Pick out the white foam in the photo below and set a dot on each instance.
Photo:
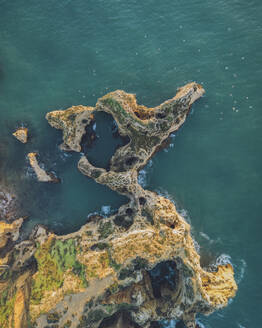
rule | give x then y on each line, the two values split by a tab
240	326
142	178
205	236
223	259
106	209
242	270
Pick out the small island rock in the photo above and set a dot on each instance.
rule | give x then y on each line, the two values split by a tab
21	134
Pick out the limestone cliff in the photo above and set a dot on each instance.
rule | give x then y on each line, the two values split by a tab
131	269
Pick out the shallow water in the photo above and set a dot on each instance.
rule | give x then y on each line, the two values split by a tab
54	54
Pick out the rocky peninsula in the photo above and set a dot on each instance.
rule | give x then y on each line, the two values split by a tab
132	269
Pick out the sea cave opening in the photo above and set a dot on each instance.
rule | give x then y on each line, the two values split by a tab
164	276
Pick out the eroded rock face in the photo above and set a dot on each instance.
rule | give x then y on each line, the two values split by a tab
134	268
21	134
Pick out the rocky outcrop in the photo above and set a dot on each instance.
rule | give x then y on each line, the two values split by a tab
141	261
146	128
138	266
41	174
21	134
9	231
73	122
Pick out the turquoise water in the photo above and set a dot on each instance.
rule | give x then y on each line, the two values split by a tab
54	54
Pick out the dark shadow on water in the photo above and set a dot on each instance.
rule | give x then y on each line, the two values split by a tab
207	258
101	140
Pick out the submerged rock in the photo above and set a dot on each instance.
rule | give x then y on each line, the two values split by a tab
138	266
41	174
21	134
8	204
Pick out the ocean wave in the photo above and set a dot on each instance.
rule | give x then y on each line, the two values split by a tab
171	142
205	236
223	259
142	178
174	323
164	193
143	174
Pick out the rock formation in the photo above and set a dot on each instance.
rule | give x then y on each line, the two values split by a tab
132	269
21	134
41	174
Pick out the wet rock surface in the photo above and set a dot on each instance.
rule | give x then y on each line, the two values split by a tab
132	269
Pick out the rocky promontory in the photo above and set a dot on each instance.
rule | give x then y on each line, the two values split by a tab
132	269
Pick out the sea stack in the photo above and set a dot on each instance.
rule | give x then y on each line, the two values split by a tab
41	174
21	134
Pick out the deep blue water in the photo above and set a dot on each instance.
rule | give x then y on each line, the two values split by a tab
54	54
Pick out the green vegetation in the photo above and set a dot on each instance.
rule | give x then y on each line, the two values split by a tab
127	272
112	263
105	229
140	263
92	317
52	317
7	300
148	216
4	274
100	246
122	114
54	258
109	308
140	140
67	324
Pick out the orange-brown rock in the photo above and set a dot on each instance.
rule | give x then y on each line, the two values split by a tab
21	303
9	231
21	134
73	123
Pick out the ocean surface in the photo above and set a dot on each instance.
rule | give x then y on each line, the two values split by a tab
54	54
